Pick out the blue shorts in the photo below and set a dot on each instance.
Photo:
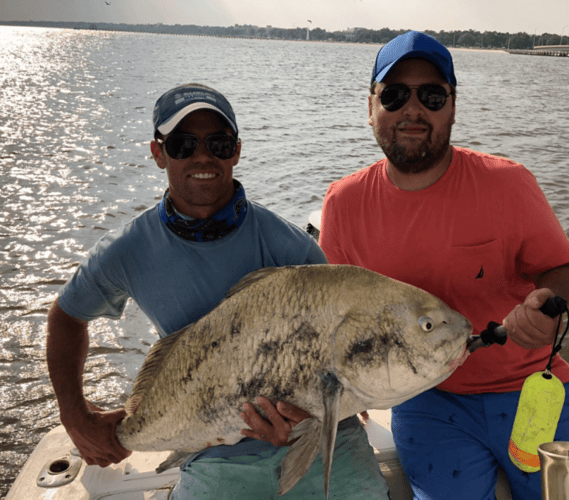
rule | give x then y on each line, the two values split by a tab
254	476
450	445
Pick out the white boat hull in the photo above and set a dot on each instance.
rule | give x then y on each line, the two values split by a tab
132	479
135	478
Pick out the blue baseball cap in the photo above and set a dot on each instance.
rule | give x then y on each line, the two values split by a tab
413	44
172	107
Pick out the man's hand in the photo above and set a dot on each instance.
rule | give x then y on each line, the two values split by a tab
282	419
527	326
95	438
90	428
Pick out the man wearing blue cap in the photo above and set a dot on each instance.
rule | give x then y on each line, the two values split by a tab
177	260
474	230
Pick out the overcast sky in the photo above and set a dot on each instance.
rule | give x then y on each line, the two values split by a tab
508	16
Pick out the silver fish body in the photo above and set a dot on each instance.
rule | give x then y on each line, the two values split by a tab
333	340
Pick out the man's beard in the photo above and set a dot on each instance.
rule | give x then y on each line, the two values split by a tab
417	158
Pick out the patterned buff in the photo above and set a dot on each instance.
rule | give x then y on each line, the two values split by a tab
220	224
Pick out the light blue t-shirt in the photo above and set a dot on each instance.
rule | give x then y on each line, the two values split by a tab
176	281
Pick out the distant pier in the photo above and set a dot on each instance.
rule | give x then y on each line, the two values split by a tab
544	50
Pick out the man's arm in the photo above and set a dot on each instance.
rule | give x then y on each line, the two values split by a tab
527	326
92	430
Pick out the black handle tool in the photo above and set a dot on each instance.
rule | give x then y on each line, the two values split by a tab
497	334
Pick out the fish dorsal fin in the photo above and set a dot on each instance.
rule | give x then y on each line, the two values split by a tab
332	394
313	437
251	278
149	369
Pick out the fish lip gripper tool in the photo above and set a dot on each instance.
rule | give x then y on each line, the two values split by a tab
497	334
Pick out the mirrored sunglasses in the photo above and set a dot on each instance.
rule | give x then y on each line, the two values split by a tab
181	145
432	96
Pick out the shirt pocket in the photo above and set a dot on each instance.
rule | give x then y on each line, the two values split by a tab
478	278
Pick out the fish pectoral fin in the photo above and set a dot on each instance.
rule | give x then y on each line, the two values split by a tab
332	394
300	455
176	459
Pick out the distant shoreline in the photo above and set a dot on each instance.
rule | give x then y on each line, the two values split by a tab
459	39
478	49
132	32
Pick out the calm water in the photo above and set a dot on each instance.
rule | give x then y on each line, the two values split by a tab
75	110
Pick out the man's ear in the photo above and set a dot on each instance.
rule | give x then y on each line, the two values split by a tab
237	154
157	154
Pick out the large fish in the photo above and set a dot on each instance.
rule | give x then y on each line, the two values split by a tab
333	340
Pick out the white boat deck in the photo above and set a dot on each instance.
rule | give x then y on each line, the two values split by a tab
53	462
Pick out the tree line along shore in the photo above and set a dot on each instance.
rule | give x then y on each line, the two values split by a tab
470	38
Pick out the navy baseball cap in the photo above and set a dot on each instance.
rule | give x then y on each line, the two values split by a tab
179	102
413	44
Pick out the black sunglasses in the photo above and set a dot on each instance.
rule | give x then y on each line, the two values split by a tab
431	95
181	145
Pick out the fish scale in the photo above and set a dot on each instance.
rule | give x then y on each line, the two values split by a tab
333	340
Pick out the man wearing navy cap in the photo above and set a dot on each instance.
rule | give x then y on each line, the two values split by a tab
474	230
177	260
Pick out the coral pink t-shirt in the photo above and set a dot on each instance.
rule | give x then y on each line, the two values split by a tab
472	239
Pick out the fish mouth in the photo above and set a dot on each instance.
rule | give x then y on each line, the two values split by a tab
458	360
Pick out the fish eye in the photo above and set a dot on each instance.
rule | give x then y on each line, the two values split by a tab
426	323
